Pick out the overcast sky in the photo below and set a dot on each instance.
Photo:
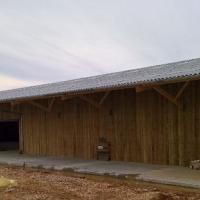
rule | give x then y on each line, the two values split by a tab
53	40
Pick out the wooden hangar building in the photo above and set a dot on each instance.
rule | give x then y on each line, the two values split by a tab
149	115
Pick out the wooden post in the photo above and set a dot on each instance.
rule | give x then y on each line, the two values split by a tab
21	137
181	135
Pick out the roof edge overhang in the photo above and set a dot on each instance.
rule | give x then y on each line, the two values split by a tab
170	80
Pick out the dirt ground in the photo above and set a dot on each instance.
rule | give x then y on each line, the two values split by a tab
35	184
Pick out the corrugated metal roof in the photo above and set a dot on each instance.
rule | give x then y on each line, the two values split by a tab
170	71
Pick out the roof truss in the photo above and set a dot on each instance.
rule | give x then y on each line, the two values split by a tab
140	88
38	105
87	99
164	93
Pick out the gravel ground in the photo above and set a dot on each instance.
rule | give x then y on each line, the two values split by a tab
35	184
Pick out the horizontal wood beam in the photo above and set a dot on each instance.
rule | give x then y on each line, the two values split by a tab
12	112
165	94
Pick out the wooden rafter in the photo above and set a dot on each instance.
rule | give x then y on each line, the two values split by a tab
182	90
91	101
104	97
165	94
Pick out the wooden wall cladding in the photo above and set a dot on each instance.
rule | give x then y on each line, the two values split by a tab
142	127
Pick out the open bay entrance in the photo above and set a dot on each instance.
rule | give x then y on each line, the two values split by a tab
9	135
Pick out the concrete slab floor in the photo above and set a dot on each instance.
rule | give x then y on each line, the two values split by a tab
172	175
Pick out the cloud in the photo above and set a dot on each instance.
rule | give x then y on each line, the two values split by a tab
10	83
46	41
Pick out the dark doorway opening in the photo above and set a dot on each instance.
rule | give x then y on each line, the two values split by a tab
9	135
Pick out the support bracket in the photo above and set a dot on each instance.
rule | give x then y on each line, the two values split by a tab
165	94
40	106
90	101
104	97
